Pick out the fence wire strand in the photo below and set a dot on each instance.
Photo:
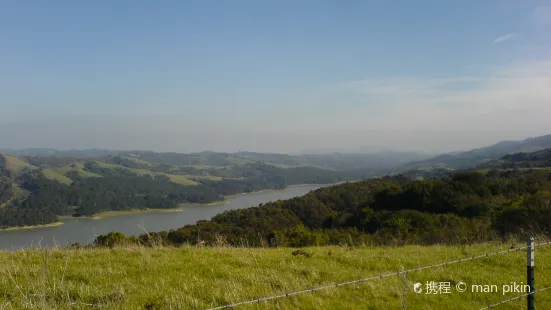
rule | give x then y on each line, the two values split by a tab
515	298
380	276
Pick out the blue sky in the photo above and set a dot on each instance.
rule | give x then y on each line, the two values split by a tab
273	75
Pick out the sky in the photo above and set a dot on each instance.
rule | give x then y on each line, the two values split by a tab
274	76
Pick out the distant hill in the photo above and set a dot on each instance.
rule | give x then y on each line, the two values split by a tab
333	161
35	190
475	157
45	152
339	161
538	159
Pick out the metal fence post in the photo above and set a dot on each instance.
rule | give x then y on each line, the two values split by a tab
405	292
530	272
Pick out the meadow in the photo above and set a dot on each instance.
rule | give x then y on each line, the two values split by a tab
204	277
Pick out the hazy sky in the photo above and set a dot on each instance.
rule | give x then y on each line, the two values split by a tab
278	76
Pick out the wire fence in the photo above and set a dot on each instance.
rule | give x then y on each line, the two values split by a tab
515	298
386	275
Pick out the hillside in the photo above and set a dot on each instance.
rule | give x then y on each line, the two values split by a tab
472	158
36	190
462	208
177	278
48	152
538	159
334	161
339	161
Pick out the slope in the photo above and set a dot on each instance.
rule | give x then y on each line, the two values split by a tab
472	158
538	159
61	186
15	165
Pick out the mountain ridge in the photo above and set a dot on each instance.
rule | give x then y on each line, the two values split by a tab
474	157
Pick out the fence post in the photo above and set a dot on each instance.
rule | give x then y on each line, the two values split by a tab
404	292
530	272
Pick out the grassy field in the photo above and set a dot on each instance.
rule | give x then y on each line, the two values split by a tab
108	165
14	165
175	178
78	168
179	179
137	160
199	278
53	175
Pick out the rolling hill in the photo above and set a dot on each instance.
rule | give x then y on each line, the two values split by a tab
334	161
37	187
538	159
35	190
472	158
338	161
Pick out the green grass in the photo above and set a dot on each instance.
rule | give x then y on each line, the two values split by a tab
175	178
284	166
140	171
14	165
77	167
179	179
198	167
205	177
137	160
281	165
236	160
108	165
198	278
59	174
53	175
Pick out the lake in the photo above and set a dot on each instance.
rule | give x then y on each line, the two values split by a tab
84	231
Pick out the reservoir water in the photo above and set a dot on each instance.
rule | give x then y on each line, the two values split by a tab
84	231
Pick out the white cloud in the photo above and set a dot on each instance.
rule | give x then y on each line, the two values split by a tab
504	38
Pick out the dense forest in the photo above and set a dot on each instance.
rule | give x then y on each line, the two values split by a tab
464	207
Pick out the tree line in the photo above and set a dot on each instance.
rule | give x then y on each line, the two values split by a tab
464	207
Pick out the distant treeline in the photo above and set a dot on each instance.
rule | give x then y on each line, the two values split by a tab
465	207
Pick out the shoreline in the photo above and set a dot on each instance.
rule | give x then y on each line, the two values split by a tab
113	213
214	203
32	226
106	214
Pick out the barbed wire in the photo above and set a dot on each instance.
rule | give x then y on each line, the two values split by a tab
515	298
381	276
